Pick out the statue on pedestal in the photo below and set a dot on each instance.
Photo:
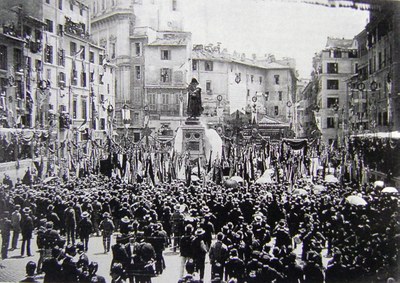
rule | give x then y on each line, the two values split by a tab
194	108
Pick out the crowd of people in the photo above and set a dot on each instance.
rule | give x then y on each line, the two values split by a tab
249	232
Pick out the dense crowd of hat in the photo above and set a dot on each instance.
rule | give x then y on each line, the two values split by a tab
250	233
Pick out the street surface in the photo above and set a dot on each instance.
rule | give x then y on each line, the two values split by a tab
12	269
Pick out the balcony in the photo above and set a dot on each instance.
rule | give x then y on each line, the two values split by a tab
75	29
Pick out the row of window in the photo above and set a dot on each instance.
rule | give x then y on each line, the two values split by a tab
60	5
340	54
49	54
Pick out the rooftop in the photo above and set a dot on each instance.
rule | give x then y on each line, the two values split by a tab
340	43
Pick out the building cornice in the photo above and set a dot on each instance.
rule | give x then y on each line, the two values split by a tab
111	16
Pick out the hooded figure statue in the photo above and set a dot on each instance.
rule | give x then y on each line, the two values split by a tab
194	108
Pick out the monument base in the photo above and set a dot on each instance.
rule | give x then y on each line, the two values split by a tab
193	139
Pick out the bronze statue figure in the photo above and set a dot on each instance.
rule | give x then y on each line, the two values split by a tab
194	108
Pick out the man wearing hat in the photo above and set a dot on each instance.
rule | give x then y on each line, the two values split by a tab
5	234
53	217
70	222
199	251
85	228
26	231
178	221
16	226
107	228
218	255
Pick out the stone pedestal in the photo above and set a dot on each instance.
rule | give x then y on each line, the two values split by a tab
193	134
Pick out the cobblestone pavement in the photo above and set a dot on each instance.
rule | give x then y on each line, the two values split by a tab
12	269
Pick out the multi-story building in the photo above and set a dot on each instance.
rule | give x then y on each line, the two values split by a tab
333	66
145	41
374	90
232	82
54	79
301	103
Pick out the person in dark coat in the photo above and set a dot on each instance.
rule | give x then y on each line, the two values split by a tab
199	251
16	226
5	235
70	223
313	272
159	240
30	272
119	253
93	267
293	271
235	267
70	271
218	255
107	228
144	259
85	228
26	231
52	267
117	273
336	271
185	247
53	217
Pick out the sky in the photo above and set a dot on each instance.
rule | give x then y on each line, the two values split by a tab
285	28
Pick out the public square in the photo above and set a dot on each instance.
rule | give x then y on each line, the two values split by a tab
222	141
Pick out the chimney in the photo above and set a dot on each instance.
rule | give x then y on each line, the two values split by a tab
254	56
243	57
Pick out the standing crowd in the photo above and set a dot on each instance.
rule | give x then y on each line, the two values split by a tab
249	232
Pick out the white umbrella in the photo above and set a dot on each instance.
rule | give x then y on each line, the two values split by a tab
390	190
194	178
319	188
331	179
356	200
237	179
264	180
49	179
300	192
379	184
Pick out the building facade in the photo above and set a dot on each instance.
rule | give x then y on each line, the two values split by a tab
333	66
54	80
374	89
144	40
232	82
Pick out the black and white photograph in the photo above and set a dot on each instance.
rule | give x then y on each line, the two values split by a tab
200	141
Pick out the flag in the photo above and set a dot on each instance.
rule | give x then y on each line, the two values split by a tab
188	173
209	163
150	170
198	167
78	54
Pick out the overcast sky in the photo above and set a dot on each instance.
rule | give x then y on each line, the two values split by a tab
285	28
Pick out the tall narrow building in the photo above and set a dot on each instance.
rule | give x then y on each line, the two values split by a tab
333	66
